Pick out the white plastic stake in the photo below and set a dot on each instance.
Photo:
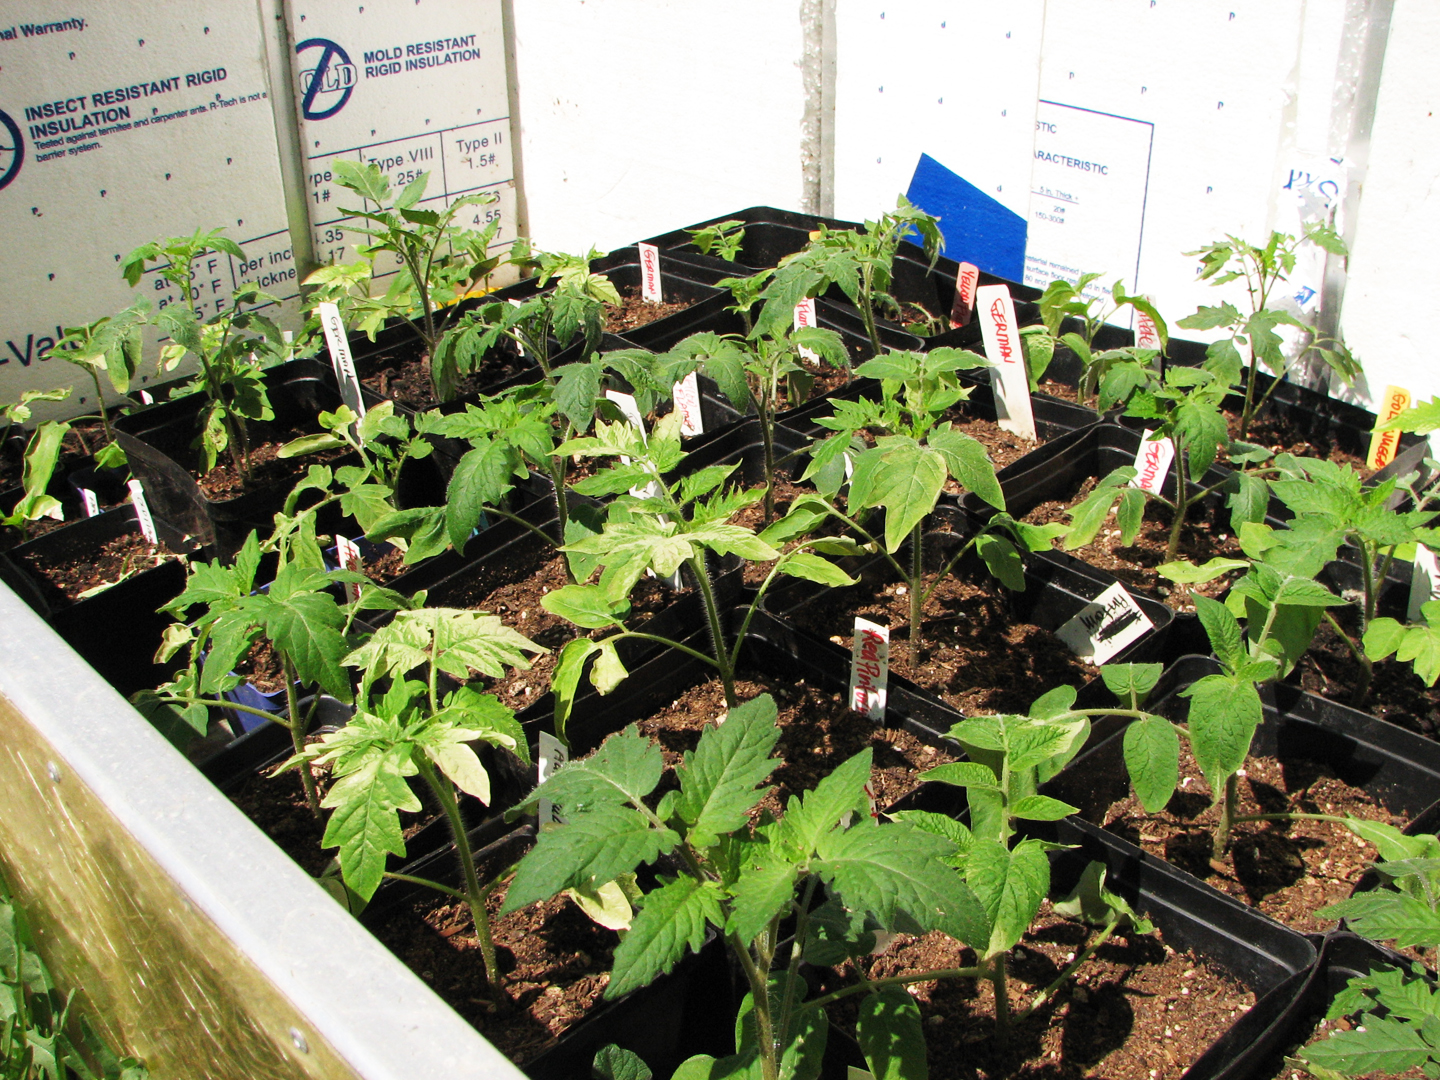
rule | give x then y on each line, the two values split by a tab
1105	626
687	400
967	280
146	398
1152	463
1424	583
1147	334
552	755
650	288
347	553
340	358
1001	332
805	317
869	668
142	512
91	504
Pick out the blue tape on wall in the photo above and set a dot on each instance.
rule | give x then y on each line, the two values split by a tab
977	229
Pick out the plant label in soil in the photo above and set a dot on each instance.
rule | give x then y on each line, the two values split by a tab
551	755
88	500
1152	463
344	363
687	400
1424	583
347	554
650	290
967	280
519	349
805	316
142	512
1105	626
146	398
869	669
1383	444
1147	334
1001	332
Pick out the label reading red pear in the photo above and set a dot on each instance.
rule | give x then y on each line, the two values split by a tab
551	756
1152	463
339	345
1001	332
1105	626
348	555
805	317
687	400
142	512
869	669
967	280
650	288
1424	583
91	504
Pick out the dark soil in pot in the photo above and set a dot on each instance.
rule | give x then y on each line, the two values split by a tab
402	374
1397	694
1137	1010
65	580
637	311
1286	869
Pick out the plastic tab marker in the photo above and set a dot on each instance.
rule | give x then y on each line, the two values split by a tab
1002	345
1424	583
91	504
869	669
344	364
650	289
348	555
146	398
1147	334
967	280
1152	463
1105	626
551	756
805	317
142	512
687	400
1383	444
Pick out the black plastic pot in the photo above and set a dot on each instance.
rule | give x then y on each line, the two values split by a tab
770	235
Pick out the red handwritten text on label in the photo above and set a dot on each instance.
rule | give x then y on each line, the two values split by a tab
650	273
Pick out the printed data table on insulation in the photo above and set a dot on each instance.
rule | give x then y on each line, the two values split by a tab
414	90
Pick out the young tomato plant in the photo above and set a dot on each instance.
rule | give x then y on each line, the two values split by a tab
859	261
1064	300
42	454
232	347
1264	270
112	345
659	526
723	239
912	457
438	261
411	729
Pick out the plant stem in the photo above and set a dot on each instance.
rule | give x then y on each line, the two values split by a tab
981	971
996	975
413	880
474	893
1044	995
1182	502
760	995
297	735
1367	667
1227	802
717	629
792	975
221	703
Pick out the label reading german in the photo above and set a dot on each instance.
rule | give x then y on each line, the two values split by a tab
1001	333
1152	463
650	288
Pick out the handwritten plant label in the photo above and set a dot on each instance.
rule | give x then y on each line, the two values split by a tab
550	757
1147	334
1105	626
805	317
91	504
340	358
348	555
1152	463
869	669
147	398
967	280
1001	332
1383	444
142	512
1424	583
687	400
650	289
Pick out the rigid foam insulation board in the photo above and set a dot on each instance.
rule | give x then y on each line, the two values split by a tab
121	123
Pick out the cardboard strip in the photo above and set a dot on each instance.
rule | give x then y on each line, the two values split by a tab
805	317
1001	332
869	669
651	290
1147	334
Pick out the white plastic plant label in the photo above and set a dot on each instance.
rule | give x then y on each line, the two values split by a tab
628	408
347	554
146	398
967	280
550	757
650	289
687	400
91	504
1105	626
1001	333
1152	463
805	317
869	669
142	512
1424	583
1147	334
339	344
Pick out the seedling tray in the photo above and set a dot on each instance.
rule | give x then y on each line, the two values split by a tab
770	235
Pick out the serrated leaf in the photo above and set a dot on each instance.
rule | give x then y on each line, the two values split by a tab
765	888
1002	560
1386	1047
584	605
674	916
1387	915
819	811
967	461
625	769
614	1063
964	774
718	779
1223	630
902	476
1041	808
1010	884
363	823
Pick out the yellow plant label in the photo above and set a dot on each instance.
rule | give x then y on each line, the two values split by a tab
1384	444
